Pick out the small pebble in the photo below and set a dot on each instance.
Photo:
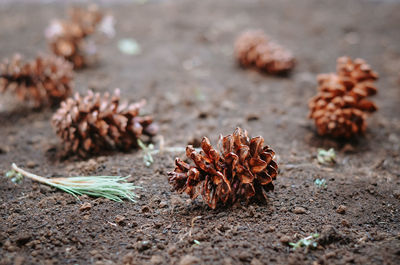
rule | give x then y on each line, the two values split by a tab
31	164
245	256
270	228
119	219
163	204
145	209
345	223
396	194
255	261
299	210
284	239
189	260
156	259
85	207
341	209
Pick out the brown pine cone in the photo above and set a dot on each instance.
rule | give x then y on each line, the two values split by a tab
94	123
252	48
340	107
43	81
242	169
69	38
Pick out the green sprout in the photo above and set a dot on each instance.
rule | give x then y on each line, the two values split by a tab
321	183
114	188
147	150
307	242
15	176
326	157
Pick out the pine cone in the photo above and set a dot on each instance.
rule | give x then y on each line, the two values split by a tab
92	124
43	81
340	107
69	38
252	48
242	169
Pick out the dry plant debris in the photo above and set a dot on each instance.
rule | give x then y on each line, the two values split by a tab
253	48
70	38
95	123
340	107
114	188
242	169
43	81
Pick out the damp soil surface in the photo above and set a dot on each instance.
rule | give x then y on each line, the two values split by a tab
194	88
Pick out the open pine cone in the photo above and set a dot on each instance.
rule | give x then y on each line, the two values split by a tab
94	123
69	38
252	48
242	169
340	107
43	81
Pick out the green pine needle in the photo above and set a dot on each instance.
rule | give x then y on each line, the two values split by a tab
307	242
326	157
114	188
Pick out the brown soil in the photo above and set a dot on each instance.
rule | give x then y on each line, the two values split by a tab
194	88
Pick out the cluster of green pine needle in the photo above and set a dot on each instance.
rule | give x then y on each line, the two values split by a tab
115	188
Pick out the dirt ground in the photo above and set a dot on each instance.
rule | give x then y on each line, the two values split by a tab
194	88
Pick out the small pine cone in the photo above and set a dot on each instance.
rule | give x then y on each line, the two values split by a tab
69	38
242	169
340	108
43	81
252	48
92	124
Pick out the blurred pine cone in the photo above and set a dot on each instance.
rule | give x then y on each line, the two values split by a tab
252	48
94	123
68	38
242	169
340	107
43	81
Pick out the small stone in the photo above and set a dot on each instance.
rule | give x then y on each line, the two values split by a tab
189	260
31	164
245	256
145	209
19	260
345	223
396	194
284	239
85	207
156	259
341	209
270	228
23	238
348	148
255	261
283	209
172	250
4	149
119	219
299	210
163	204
